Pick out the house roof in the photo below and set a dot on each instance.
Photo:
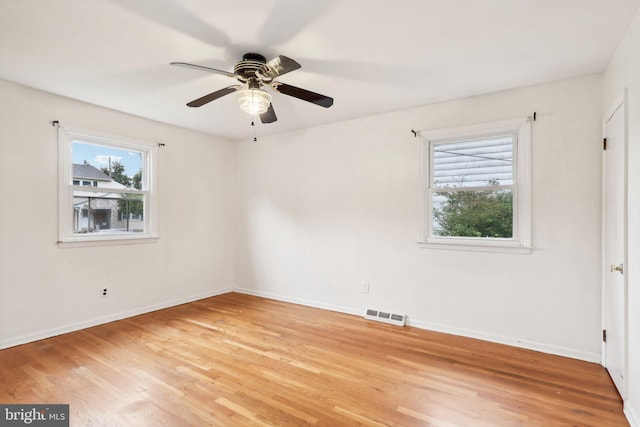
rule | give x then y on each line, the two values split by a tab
86	171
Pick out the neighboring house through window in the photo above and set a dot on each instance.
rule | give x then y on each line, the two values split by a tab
95	211
107	189
476	187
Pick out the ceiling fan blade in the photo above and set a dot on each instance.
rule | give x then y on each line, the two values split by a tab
305	95
203	68
279	66
269	116
213	96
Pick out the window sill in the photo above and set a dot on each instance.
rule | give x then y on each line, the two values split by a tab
466	245
79	242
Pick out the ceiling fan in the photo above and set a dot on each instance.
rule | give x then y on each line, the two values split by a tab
253	72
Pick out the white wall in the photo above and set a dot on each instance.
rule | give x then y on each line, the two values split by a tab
318	212
624	72
323	209
45	289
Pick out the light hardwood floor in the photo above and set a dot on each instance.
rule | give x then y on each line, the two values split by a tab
240	360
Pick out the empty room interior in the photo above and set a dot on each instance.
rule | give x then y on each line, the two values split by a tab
320	212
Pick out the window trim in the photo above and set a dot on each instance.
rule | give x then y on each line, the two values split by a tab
521	241
66	235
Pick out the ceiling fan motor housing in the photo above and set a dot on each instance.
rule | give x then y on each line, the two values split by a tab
250	64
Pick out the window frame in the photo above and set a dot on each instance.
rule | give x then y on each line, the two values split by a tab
521	186
66	234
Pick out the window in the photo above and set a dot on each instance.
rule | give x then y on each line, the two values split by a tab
107	188
476	187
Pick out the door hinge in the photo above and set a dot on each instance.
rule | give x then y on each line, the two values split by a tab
604	335
604	143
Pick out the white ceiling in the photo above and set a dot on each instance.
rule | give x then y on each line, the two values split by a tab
371	56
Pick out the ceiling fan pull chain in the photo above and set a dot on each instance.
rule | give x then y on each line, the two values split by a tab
255	136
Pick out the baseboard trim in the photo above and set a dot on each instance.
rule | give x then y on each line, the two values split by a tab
632	415
514	342
530	345
24	339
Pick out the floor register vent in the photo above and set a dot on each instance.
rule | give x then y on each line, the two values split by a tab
381	316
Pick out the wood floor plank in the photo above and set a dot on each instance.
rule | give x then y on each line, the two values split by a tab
237	360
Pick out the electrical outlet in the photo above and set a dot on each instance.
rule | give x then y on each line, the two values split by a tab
365	287
104	292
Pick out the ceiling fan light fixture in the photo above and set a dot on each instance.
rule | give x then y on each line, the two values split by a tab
254	101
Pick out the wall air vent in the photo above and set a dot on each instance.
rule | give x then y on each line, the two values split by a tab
386	317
